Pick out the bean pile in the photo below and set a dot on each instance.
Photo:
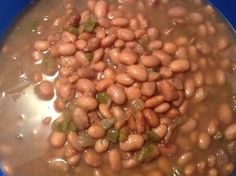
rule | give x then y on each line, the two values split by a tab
124	89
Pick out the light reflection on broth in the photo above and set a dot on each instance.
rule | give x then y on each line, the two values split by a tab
24	146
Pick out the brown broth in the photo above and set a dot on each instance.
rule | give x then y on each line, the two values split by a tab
24	147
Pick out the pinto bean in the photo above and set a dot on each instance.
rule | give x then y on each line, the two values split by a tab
104	22
185	158
100	9
151	117
189	86
134	142
168	90
154	45
213	126
230	132
97	56
143	22
189	169
117	94
220	77
148	88
124	79
101	145
161	130
104	84
109	73
133	92
120	21
162	108
149	60
204	140
137	72
154	101
177	11
67	49
41	45
73	160
129	163
86	73
85	85
125	34
133	24
45	90
153	33
128	57
96	131
114	54
225	114
57	139
92	158
196	17
199	79
140	122
109	40
87	103
164	57
114	159
81	58
80	119
180	65
105	111
169	48
188	126
200	94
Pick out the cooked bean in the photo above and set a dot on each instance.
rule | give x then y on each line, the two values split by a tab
92	158
161	130
68	37
129	163
140	122
99	66
151	117
85	85
133	24
96	131
179	65
164	57
87	103
109	74
104	22
189	86
41	45
177	11
65	91
153	33
80	119
213	127
114	54
104	84
213	172
73	160
148	89
67	49
57	139
154	45
211	160
230	132
223	43
120	21
225	114
220	77
169	48
97	55
204	47
155	101
188	126
114	159
125	34
101	145
119	43
133	92
201	167
128	57
114	14
143	22
45	90
200	94
109	40
185	158
124	79
134	142
204	141
196	17
105	111
168	90
165	72
162	108
149	60
199	79
86	73
100	9
189	169
117	94
137	72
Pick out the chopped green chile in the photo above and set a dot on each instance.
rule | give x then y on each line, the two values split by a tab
144	41
151	70
123	136
88	26
175	171
113	135
85	140
146	152
107	123
73	30
153	137
89	56
67	113
65	126
233	102
137	105
219	136
49	65
102	97
33	25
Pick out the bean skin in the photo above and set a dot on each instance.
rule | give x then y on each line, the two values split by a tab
204	141
128	57
137	72
117	94
149	60
230	132
45	90
96	131
80	119
148	88
92	158
151	117
114	159
225	114
87	103
124	79
100	9
180	65
85	85
57	139
125	34
134	142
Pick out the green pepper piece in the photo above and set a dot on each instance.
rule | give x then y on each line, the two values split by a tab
219	136
107	123
73	30
89	25
146	152
137	105
65	126
49	65
102	97
89	56
153	137
85	140
123	135
175	171
113	135
34	25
